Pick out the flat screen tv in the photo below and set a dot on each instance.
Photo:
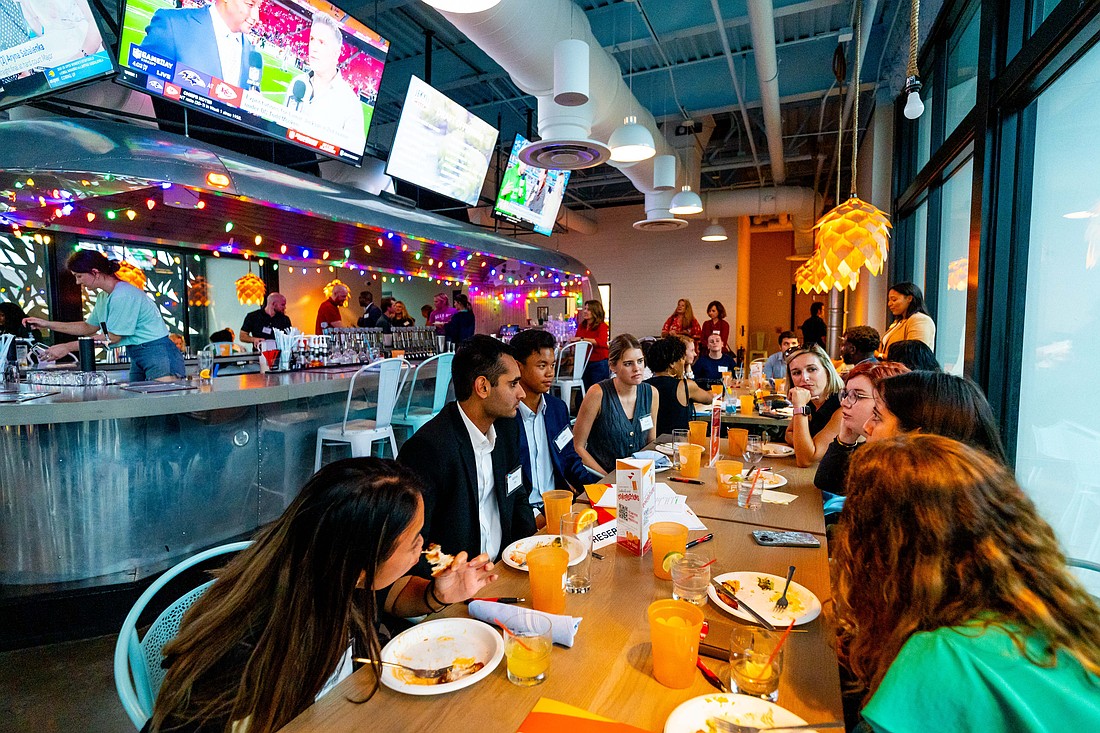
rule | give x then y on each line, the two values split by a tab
528	194
303	71
47	46
440	146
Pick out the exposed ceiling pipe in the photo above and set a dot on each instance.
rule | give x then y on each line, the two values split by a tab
800	203
736	86
762	26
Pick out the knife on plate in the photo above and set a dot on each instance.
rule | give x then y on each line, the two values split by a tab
763	621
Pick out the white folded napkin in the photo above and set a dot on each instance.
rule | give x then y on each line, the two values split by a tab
563	628
777	497
660	460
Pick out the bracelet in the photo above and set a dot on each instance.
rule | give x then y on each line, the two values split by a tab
430	588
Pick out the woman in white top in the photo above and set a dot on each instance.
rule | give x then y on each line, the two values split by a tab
911	320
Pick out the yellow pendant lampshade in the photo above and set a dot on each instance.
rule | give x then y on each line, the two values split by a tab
811	275
198	292
332	286
130	274
957	272
250	290
852	235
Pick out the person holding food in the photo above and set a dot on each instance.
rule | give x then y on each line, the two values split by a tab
255	650
468	456
131	317
955	610
816	416
618	416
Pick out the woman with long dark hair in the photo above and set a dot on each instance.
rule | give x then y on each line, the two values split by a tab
914	354
462	324
667	358
905	301
260	645
933	402
716	323
131	318
955	610
592	327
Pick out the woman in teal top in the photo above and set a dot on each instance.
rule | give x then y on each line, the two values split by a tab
131	316
955	610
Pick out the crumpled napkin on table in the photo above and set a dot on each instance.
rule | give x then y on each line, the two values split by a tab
563	628
660	460
777	497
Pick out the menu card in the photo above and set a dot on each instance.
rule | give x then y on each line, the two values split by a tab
636	494
551	716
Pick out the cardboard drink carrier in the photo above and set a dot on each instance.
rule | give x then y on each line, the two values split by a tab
636	486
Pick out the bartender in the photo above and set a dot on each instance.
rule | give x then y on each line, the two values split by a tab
260	325
131	317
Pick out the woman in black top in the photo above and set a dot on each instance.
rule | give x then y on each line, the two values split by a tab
677	392
814	387
461	326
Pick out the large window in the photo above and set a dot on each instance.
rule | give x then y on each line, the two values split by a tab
1058	441
962	72
953	263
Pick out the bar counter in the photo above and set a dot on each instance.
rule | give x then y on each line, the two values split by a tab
102	485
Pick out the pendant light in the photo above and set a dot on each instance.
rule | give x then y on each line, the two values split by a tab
462	6
632	142
250	289
914	107
715	232
686	202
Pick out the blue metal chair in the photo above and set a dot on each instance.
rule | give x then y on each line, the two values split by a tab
413	417
138	674
362	434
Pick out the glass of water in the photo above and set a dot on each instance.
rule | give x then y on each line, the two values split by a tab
679	437
690	578
754	451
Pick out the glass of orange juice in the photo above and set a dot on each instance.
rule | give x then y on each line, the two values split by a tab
737	440
746	404
555	505
547	567
674	631
690	457
781	385
668	540
527	644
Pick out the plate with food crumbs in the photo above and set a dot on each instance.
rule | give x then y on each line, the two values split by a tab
515	554
694	715
761	591
470	648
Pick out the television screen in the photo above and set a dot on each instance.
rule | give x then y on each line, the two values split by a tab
440	146
47	46
300	70
529	194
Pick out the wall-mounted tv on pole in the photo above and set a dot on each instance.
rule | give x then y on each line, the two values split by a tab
47	46
303	71
528	194
440	146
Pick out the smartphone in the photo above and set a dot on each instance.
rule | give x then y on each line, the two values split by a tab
776	538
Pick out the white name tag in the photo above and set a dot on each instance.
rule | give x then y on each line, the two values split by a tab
564	438
515	480
646	422
723	369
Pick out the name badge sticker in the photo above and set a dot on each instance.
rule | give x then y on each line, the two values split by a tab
646	422
723	369
515	479
564	437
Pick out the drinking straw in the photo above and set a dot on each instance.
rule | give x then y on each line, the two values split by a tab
748	499
511	633
779	646
708	563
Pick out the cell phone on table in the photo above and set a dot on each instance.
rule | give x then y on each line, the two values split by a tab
776	538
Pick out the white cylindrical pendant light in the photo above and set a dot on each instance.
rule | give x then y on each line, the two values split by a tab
685	202
570	72
631	142
664	173
462	6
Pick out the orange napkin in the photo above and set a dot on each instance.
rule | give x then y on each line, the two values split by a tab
551	716
595	492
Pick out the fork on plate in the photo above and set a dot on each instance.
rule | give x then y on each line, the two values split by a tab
781	604
427	674
728	726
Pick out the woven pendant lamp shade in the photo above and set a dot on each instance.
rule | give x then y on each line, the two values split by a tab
129	274
250	290
198	293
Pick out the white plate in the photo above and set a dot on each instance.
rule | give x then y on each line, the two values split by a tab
662	469
691	716
802	605
438	643
527	544
778	450
769	479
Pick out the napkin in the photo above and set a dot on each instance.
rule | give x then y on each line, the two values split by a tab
660	460
551	716
777	497
563	628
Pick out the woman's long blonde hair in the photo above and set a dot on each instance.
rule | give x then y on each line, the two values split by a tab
935	534
689	314
266	636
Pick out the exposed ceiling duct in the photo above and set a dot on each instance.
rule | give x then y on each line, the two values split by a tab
762	25
800	203
657	216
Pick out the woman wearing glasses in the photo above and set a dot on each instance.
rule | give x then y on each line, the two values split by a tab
857	403
816	419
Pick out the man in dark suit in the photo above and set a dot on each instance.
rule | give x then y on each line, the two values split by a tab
545	436
371	312
475	498
212	40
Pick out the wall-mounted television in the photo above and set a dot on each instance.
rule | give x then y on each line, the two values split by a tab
303	71
48	46
528	194
440	146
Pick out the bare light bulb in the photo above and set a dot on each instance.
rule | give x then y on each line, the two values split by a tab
914	108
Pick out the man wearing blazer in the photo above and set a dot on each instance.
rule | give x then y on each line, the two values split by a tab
545	436
475	497
212	40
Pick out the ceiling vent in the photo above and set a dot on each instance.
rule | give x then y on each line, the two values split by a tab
666	224
657	217
566	155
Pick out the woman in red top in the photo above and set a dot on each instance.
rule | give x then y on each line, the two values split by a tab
682	322
592	327
716	324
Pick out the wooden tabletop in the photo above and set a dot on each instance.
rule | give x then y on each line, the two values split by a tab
609	670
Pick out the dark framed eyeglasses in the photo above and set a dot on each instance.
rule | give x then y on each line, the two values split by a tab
852	395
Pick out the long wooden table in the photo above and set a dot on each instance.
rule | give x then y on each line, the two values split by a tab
609	670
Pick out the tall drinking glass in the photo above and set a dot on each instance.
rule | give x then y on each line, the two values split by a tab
556	504
547	567
576	537
666	538
674	631
690	578
679	437
754	451
206	364
751	673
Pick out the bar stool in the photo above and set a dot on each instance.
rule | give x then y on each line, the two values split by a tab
565	385
413	417
362	434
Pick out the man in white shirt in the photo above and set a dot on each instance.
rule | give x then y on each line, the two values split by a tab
475	496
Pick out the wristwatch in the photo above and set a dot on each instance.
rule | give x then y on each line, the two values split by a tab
804	410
